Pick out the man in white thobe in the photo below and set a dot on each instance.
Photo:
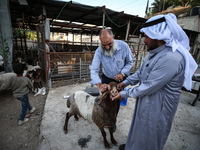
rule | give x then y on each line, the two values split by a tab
167	68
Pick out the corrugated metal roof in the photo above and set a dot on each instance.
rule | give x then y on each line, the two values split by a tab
72	12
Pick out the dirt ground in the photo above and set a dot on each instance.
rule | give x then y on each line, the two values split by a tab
12	136
44	130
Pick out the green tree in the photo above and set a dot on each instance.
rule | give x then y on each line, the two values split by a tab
161	5
174	3
157	6
194	3
29	34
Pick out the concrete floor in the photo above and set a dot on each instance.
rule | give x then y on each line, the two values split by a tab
184	135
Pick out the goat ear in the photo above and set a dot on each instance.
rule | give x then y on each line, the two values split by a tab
103	96
118	87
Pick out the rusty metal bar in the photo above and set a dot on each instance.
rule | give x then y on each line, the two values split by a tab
62	53
137	53
89	50
33	39
55	52
104	16
38	42
133	32
25	45
128	30
91	39
72	42
74	26
45	57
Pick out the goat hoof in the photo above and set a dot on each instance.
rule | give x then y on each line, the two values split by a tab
107	146
76	118
114	142
65	130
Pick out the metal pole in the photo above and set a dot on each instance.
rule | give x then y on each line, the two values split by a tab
140	36
45	58
127	30
80	70
104	16
55	52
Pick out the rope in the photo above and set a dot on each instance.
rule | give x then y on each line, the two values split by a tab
16	34
10	36
114	22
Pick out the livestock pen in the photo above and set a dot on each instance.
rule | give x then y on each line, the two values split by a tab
67	62
74	67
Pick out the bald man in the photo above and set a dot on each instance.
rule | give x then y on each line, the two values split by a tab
116	60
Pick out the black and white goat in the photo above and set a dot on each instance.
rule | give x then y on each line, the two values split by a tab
35	75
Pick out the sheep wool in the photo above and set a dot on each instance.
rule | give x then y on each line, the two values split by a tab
6	76
85	104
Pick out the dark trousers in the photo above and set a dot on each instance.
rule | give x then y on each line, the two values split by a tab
25	105
106	80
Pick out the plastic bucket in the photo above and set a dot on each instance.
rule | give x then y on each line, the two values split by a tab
123	102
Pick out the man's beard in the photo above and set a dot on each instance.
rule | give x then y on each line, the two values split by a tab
109	52
154	45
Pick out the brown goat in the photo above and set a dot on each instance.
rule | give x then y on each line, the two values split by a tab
37	77
100	110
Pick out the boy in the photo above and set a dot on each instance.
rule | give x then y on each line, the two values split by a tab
20	87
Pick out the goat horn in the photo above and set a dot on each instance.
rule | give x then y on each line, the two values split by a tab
100	100
103	96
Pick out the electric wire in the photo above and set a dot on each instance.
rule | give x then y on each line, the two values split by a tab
114	22
59	13
127	4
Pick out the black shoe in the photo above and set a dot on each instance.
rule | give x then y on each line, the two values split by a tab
114	128
122	147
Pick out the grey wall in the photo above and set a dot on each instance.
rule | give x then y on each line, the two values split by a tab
6	42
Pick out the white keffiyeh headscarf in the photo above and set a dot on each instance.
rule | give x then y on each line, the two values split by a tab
174	36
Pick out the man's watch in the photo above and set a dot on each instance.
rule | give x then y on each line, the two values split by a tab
123	75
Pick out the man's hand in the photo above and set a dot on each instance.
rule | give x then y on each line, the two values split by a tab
119	77
102	87
121	86
116	97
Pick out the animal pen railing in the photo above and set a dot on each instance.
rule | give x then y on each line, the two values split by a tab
67	62
74	67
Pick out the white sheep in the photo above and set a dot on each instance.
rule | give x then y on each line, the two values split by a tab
6	76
